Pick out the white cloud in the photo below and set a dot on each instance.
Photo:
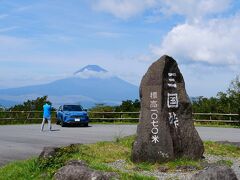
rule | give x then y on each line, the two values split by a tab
17	77
215	42
194	10
123	9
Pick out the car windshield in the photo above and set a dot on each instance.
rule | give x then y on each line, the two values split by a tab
72	108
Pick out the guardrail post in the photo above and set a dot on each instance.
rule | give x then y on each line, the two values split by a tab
28	116
10	118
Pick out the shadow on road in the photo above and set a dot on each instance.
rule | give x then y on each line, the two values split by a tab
76	126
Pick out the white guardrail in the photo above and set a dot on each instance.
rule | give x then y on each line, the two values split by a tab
33	116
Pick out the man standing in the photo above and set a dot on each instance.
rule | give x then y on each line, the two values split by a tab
46	116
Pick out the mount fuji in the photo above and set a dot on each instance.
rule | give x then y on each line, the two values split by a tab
90	85
94	68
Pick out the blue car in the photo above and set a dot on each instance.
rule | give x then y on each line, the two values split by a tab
72	115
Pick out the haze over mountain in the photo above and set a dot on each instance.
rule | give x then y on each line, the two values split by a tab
88	86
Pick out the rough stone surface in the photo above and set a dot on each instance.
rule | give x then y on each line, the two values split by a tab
48	152
216	173
76	170
166	130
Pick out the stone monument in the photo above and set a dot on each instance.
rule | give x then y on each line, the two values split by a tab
165	130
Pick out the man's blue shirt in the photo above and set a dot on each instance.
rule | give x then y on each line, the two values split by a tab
46	111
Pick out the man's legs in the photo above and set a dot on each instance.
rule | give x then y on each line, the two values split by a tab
42	126
49	124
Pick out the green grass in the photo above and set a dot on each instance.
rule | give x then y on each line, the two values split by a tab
98	155
221	149
225	162
197	124
22	170
172	165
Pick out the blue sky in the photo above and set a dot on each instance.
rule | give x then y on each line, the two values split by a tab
44	40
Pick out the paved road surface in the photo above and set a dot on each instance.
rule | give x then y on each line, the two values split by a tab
23	141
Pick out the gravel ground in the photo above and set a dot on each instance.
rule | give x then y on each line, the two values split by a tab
180	174
235	161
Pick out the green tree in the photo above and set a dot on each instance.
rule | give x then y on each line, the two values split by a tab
2	108
228	102
234	95
129	106
234	88
32	105
102	108
29	105
137	105
224	104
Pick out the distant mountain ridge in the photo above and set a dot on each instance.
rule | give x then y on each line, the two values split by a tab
87	91
7	103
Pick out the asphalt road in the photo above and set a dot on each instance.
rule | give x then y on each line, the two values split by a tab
23	141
